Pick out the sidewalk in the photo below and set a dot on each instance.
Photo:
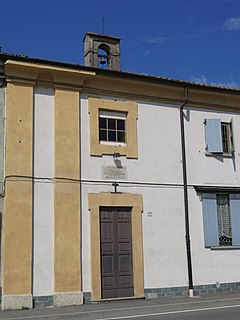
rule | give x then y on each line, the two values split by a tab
124	308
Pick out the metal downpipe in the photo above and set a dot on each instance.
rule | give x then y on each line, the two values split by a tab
184	168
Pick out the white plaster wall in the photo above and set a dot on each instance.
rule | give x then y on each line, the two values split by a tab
164	252
209	266
203	169
159	149
159	161
43	214
163	235
164	246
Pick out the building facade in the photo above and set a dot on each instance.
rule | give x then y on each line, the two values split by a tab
96	201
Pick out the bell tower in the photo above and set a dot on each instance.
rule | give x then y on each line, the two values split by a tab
101	51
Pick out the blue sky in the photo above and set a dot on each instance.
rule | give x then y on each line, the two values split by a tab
196	40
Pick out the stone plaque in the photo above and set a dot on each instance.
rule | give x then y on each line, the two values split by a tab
114	173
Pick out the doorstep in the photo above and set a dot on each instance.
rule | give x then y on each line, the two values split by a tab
116	299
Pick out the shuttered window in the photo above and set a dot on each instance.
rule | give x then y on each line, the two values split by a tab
218	136
221	219
213	135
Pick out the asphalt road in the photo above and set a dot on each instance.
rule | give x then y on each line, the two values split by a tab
216	314
208	308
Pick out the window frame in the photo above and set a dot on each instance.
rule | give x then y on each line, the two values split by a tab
130	108
225	216
210	218
116	116
230	146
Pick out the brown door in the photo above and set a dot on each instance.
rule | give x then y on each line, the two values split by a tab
116	252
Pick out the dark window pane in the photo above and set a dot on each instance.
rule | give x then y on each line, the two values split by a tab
121	136
102	135
226	139
121	124
111	124
102	123
111	135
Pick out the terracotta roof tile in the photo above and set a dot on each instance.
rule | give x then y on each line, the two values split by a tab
209	85
13	54
139	75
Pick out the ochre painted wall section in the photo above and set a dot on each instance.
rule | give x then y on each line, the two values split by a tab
67	276
17	254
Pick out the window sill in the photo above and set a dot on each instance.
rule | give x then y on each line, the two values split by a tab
224	155
111	143
224	248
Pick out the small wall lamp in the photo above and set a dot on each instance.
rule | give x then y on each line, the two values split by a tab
116	155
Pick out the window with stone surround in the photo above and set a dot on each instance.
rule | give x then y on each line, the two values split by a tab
113	127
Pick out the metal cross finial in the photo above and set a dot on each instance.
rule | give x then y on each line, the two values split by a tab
102	25
115	185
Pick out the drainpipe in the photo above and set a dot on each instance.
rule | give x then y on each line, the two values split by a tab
184	168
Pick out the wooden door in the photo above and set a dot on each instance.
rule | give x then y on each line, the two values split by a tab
116	252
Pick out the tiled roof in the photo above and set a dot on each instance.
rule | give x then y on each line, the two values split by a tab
185	82
5	55
13	54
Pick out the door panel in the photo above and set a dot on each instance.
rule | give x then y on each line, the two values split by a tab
116	252
107	253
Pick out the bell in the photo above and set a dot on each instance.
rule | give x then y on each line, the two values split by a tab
102	60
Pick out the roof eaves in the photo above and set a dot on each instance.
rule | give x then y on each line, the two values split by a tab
142	77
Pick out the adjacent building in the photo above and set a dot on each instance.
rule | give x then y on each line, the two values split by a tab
115	184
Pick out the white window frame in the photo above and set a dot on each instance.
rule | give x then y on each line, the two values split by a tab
116	115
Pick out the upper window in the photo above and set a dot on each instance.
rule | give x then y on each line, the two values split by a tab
219	137
221	219
112	127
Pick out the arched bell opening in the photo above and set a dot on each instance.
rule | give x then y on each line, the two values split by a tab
103	56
